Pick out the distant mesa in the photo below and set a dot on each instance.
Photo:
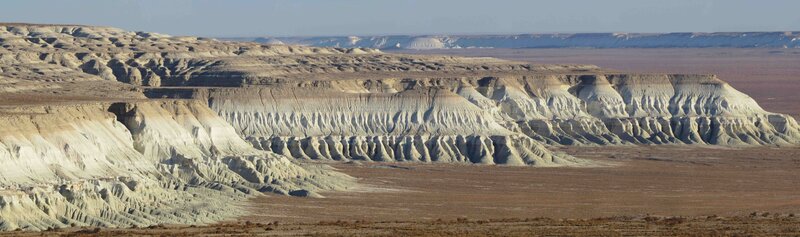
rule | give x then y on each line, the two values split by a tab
268	41
778	39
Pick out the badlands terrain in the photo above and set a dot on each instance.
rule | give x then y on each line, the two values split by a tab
767	75
101	127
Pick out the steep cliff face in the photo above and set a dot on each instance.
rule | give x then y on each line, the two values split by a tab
145	163
491	120
405	119
49	144
81	143
428	125
331	103
638	109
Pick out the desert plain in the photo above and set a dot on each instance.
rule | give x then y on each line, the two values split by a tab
684	190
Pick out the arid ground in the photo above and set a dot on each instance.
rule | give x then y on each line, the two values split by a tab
656	180
650	190
638	190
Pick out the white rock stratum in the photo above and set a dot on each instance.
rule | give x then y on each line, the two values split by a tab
103	127
143	163
413	120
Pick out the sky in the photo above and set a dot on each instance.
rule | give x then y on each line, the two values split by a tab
229	18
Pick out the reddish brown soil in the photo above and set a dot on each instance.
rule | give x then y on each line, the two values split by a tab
648	190
658	180
757	224
771	76
644	190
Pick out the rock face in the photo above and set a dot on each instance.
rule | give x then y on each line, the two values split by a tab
427	125
638	109
580	40
463	119
104	127
141	164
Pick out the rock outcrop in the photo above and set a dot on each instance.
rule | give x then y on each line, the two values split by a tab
141	164
103	127
427	125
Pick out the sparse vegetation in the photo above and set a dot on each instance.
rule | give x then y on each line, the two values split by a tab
618	225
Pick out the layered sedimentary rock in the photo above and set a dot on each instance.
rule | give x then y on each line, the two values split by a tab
425	125
330	103
639	109
54	54
404	120
131	58
142	163
103	127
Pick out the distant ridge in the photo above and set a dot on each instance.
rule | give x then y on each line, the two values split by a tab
787	39
37	24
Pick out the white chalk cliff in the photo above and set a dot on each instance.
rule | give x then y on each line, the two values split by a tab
103	127
142	164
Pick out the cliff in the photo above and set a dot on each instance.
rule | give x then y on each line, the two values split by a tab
104	127
142	164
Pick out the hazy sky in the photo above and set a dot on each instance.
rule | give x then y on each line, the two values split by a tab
377	17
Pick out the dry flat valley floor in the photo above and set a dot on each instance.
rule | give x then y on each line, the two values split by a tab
640	190
652	190
664	181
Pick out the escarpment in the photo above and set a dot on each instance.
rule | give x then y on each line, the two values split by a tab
341	104
640	109
386	118
427	125
140	164
104	127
